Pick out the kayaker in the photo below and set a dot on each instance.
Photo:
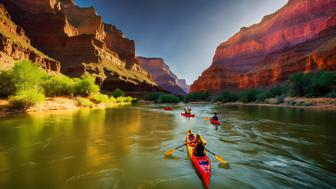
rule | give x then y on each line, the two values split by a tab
187	111
191	136
215	117
199	147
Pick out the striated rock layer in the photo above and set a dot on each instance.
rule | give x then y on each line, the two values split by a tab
163	76
79	39
298	37
15	46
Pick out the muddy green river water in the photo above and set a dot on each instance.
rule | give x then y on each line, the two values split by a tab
123	148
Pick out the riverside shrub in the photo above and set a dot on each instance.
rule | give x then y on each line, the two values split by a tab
118	93
26	98
196	97
168	98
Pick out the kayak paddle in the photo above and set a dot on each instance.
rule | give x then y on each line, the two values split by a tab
219	158
171	151
206	118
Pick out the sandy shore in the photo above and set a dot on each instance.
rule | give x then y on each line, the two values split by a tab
53	104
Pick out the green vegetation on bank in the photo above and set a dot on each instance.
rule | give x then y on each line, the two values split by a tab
320	84
27	84
197	97
161	97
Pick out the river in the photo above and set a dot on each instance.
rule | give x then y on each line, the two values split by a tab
267	147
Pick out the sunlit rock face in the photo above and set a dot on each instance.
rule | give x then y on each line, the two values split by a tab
15	46
81	42
163	76
287	41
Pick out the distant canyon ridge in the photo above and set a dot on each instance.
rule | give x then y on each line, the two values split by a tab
299	37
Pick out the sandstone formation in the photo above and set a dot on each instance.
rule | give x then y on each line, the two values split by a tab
81	42
163	76
298	37
15	46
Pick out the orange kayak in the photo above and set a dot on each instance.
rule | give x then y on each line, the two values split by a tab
201	164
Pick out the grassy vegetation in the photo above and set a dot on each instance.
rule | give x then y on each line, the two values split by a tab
197	97
27	84
160	97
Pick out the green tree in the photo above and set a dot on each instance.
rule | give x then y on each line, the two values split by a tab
118	93
322	83
86	86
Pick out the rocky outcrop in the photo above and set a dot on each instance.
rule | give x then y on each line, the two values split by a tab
15	46
162	75
288	41
81	42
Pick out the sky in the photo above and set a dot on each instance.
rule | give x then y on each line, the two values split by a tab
185	33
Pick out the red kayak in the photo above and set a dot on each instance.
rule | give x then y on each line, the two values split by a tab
201	164
214	122
168	109
188	115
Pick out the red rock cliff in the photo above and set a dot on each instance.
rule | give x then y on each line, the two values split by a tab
79	39
15	46
283	43
162	74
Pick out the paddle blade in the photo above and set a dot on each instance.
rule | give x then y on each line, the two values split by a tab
169	152
206	118
221	160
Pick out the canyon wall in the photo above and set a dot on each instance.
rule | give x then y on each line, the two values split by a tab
80	40
15	46
298	37
163	76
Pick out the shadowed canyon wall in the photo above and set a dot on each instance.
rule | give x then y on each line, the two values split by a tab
298	37
82	43
15	46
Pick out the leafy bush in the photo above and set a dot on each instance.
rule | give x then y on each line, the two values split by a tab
26	98
196	97
248	96
58	85
331	95
229	97
217	99
322	83
7	85
153	96
118	93
276	90
123	99
168	98
113	100
86	86
100	98
262	96
299	84
160	97
27	75
84	102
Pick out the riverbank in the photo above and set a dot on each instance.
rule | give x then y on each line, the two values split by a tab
328	104
58	104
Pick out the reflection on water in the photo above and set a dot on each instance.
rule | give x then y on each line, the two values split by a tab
123	148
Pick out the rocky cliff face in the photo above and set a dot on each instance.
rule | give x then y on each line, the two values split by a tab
288	41
163	76
79	39
15	46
